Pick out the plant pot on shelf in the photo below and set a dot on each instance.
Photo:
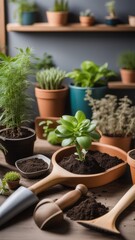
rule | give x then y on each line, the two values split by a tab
127	76
28	18
86	20
91	180
131	20
51	103
39	129
131	162
121	142
57	18
111	21
18	148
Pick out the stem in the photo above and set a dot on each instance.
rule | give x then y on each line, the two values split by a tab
79	151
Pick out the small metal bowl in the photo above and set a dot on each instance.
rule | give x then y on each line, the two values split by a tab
33	174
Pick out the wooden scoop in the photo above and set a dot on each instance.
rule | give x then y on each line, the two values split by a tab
107	222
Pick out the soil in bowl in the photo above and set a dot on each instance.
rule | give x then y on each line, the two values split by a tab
95	162
132	154
32	165
87	208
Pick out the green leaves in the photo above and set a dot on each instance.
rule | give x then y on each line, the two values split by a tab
77	130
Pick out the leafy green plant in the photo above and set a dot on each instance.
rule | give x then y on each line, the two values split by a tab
50	78
45	63
110	6
23	6
4	190
91	75
115	117
127	60
77	130
15	102
60	6
12	176
86	13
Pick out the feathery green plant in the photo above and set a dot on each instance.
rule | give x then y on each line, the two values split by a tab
111	8
50	78
115	117
60	6
14	100
127	60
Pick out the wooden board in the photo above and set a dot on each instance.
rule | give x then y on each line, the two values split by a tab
2	27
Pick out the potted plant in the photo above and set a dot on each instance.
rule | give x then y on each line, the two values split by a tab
127	67
131	20
86	18
111	19
50	93
45	62
16	137
26	11
58	15
82	158
115	119
89	75
131	162
12	178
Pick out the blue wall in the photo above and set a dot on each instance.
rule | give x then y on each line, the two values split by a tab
70	49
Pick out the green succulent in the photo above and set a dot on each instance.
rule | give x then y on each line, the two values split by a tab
79	131
50	78
86	13
60	6
91	75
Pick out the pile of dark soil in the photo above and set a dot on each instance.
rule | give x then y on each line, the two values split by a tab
15	133
32	165
95	162
87	208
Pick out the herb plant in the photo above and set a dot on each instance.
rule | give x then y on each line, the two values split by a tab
91	75
60	6
50	78
111	8
23	6
79	131
14	100
4	190
12	176
127	60
115	117
45	63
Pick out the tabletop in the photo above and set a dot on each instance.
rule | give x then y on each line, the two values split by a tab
23	226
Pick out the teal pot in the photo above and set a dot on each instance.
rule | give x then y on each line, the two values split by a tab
28	18
112	21
18	148
77	95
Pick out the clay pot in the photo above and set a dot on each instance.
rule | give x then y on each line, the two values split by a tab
131	162
51	103
39	129
121	142
57	18
13	184
131	20
127	76
86	20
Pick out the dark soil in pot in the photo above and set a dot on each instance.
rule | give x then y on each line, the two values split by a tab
95	162
87	208
16	133
32	165
132	154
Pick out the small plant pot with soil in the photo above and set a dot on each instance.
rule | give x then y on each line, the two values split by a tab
131	162
34	166
12	179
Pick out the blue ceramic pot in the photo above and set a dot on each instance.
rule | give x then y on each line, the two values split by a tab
112	21
28	18
77	95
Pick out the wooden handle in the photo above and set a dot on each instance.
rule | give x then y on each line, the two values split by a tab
123	203
47	182
71	197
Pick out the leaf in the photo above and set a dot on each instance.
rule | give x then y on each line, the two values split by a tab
67	142
80	116
67	124
84	141
63	131
70	119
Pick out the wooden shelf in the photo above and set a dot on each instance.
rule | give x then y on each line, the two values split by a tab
76	27
120	85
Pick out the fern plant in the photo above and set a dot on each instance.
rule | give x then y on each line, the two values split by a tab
14	100
60	6
115	117
50	78
127	60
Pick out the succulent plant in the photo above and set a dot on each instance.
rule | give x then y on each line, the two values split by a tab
50	78
60	6
86	13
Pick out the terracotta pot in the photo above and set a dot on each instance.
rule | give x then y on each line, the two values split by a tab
18	148
131	20
13	184
51	103
127	76
86	20
39	129
131	162
92	180
57	18
121	142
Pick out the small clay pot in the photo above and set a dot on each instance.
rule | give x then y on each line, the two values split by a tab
13	184
131	162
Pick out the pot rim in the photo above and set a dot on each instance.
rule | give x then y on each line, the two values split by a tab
33	133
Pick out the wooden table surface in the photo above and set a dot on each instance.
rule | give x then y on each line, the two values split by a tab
23	226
